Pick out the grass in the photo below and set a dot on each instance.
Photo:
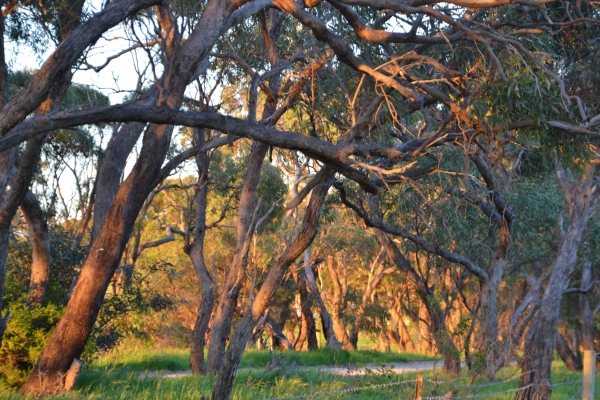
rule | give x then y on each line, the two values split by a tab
117	377
179	359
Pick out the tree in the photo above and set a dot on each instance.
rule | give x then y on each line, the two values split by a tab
410	80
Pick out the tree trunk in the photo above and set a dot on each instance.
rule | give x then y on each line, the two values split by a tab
196	254
19	183
338	307
488	318
404	341
384	342
235	278
326	320
571	360
308	330
225	378
274	330
37	229
112	165
539	346
587	316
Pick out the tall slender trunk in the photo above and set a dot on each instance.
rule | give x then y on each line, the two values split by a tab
539	347
37	229
237	273
338	307
196	254
235	278
225	378
488	316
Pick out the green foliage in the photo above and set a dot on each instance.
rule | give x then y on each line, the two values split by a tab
122	312
26	335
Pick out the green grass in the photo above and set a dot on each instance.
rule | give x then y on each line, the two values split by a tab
117	377
179	359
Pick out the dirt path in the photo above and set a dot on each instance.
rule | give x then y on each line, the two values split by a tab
397	368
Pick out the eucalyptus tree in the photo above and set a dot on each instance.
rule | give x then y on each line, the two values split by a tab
447	62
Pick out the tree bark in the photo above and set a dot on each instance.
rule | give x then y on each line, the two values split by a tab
326	321
539	347
196	254
437	327
37	229
245	230
587	316
571	360
308	330
338	307
274	330
235	278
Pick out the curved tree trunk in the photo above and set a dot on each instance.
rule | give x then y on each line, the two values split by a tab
37	229
236	276
245	230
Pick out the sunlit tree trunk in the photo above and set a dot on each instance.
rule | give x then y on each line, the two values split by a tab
437	327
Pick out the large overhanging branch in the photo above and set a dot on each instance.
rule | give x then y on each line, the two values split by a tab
336	156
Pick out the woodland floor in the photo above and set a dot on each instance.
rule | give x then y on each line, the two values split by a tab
137	374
